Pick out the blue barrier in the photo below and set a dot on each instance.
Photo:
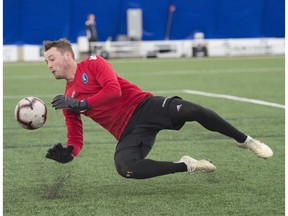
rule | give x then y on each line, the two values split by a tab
32	21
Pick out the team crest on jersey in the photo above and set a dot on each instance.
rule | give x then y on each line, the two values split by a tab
84	78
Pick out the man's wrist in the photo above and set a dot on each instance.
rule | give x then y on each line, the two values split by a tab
83	105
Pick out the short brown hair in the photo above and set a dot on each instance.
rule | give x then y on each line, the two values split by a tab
63	45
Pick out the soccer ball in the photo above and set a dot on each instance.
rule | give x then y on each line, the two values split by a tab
31	113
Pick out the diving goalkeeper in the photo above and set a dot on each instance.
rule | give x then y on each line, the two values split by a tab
132	116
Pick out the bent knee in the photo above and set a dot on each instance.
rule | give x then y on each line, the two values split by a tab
124	170
126	162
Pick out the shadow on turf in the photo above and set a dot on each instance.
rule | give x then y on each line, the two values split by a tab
61	187
55	190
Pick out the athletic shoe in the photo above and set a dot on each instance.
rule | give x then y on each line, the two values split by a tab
194	165
259	148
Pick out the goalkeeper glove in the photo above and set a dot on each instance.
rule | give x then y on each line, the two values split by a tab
61	102
60	154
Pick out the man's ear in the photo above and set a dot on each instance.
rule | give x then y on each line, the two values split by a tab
67	55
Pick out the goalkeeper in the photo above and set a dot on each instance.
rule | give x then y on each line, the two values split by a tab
132	116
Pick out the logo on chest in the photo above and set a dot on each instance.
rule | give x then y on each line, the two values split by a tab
73	94
84	78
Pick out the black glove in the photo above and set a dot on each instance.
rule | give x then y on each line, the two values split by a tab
61	102
60	154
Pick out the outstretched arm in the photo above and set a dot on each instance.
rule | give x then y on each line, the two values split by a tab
74	143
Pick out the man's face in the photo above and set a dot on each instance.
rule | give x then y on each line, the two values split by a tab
56	63
91	17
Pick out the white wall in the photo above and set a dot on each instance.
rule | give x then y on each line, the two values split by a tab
179	48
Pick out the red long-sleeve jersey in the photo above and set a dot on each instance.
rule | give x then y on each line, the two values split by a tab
111	99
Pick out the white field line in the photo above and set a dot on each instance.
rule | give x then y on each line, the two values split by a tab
223	96
186	91
236	98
